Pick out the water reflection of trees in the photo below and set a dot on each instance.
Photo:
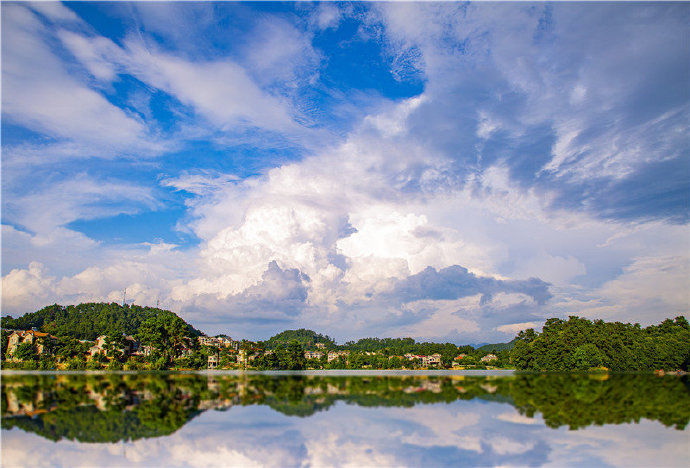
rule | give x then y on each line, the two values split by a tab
115	407
581	401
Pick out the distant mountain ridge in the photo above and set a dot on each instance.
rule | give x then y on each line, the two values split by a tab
498	347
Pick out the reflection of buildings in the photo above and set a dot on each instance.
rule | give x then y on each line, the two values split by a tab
126	393
108	408
432	386
23	407
333	390
489	388
221	404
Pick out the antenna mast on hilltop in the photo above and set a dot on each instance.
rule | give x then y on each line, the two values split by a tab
124	297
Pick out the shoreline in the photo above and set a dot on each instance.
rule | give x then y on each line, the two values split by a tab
338	372
230	372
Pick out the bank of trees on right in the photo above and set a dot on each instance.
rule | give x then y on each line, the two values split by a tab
580	344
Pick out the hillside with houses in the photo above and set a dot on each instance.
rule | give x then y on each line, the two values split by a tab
97	336
112	336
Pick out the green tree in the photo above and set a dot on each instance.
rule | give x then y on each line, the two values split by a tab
395	363
26	352
87	321
579	344
5	342
114	343
46	363
295	356
114	365
307	338
76	363
167	333
586	357
100	358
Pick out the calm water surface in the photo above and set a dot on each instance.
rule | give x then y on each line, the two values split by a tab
342	418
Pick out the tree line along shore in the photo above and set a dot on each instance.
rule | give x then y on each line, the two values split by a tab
130	337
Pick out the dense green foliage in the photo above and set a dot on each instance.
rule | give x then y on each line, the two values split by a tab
88	321
306	338
26	352
283	357
5	335
402	346
67	348
581	401
574	345
580	344
105	408
114	407
167	333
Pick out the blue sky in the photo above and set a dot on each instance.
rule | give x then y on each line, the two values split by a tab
444	171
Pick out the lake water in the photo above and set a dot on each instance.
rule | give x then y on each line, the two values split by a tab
344	418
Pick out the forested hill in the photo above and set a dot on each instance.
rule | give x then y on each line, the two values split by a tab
307	338
580	344
391	346
90	320
400	346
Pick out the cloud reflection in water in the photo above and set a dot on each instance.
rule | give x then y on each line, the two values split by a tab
343	421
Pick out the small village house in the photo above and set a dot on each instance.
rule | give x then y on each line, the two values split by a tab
243	357
130	345
489	358
186	350
213	361
433	360
207	341
219	342
457	360
313	354
98	347
333	355
41	342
